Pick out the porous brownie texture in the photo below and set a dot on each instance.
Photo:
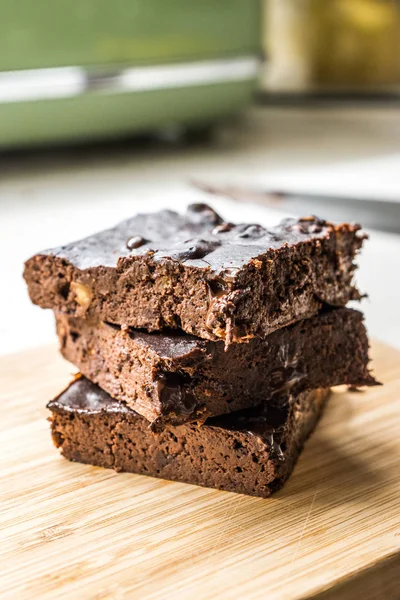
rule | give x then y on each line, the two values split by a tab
198	273
250	452
177	378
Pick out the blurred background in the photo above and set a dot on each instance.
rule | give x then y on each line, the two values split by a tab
265	108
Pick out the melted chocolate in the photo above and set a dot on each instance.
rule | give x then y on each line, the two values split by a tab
174	394
265	422
217	288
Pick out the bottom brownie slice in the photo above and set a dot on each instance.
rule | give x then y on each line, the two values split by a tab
249	452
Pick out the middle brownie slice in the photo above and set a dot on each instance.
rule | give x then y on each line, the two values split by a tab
176	378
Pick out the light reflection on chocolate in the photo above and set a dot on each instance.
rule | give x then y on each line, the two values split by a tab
223	228
135	242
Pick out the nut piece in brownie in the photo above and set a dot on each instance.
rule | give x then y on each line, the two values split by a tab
250	452
176	378
198	273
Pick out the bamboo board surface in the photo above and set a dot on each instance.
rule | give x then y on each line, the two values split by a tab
75	531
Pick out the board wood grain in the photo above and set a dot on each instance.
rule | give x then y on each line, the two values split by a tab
75	531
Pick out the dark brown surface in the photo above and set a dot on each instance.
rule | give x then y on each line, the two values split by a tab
250	452
195	272
177	378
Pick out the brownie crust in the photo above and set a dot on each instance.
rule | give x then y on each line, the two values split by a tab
250	452
197	273
176	378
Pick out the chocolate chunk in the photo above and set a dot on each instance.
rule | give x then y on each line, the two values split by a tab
202	214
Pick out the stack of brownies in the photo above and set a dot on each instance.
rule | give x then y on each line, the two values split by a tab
206	349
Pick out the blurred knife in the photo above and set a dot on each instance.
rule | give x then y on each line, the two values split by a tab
383	215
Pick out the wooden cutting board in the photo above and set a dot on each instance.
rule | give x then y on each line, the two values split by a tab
81	532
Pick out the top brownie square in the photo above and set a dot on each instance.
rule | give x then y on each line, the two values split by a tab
198	273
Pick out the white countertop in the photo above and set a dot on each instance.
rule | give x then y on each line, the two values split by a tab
50	199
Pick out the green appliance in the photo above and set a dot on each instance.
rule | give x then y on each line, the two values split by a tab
90	69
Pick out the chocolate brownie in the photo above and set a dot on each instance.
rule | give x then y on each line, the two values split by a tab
195	272
251	452
178	378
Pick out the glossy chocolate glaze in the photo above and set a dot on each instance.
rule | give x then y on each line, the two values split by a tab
199	238
82	396
171	344
265	422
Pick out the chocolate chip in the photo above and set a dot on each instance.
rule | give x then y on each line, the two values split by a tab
316	228
299	228
252	232
194	249
307	225
217	287
202	214
135	242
